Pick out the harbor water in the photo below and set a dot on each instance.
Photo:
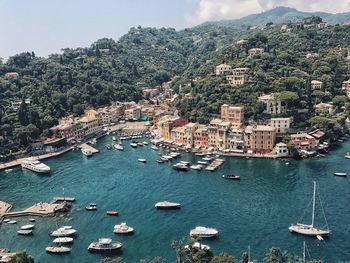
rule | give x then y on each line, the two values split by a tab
255	211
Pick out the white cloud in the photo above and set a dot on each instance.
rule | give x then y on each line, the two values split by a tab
208	10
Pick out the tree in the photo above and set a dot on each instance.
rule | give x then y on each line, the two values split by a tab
111	260
22	257
23	113
223	258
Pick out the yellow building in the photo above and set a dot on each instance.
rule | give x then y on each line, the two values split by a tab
190	128
90	125
178	135
217	133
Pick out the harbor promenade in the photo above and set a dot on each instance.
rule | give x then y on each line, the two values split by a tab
18	162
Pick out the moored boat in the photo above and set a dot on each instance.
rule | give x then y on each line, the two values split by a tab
204	232
25	232
86	152
12	222
180	167
63	232
145	143
202	162
196	166
119	147
26	227
91	207
141	160
58	249
63	240
167	205
123	228
35	165
231	177
31	219
105	245
153	147
112	212
340	174
133	145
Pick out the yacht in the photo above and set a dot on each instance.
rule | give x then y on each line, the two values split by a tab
180	167
63	232
91	207
63	240
231	177
86	152
36	166
119	147
12	222
198	245
58	249
204	232
24	232
105	245
142	160
27	227
167	205
123	229
310	230
340	174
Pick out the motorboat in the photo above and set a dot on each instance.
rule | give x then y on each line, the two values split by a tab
231	177
153	147
347	156
58	249
25	232
202	162
160	161
91	207
198	245
64	232
31	219
184	162
139	144
141	160
114	138
35	165
12	222
86	152
7	220
119	147
310	230
167	205
145	143
180	167
112	212
199	154
196	166
204	232
109	147
133	145
63	240
105	245
26	227
340	174
8	170
123	229
206	158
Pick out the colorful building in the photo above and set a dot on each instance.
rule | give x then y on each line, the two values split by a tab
232	114
259	138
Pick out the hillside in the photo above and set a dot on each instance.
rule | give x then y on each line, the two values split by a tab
281	15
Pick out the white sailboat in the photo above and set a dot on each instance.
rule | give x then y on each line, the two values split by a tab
310	230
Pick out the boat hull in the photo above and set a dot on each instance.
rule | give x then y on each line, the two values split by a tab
308	230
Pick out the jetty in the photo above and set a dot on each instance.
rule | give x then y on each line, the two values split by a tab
89	148
60	199
6	255
4	208
18	162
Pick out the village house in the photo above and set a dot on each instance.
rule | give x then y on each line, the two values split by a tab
17	103
255	51
241	42
324	107
238	76
150	92
178	135
281	150
273	104
201	136
69	128
11	75
133	113
212	132
235	140
346	87
312	55
222	69
232	114
259	139
304	141
316	84
167	123
322	25
282	125
90	125
190	129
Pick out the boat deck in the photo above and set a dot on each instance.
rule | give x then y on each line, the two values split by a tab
88	148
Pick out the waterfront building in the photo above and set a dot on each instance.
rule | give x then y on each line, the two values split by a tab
212	132
316	84
90	125
282	125
222	134
133	113
235	139
69	128
273	104
178	135
222	69
167	123
255	51
232	114
201	136
190	128
281	150
259	138
304	141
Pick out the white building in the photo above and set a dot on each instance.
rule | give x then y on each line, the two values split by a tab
273	104
255	51
281	150
282	125
222	69
316	84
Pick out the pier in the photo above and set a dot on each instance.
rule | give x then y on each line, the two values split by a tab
4	208
59	199
87	147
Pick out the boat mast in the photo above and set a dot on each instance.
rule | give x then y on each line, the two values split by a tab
304	252
248	254
313	206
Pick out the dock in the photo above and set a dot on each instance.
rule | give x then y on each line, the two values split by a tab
87	147
4	208
39	209
60	199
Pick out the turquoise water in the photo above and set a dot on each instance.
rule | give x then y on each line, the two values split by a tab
255	211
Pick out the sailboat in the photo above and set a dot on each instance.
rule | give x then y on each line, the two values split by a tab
310	230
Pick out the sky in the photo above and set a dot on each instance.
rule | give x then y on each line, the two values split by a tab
47	26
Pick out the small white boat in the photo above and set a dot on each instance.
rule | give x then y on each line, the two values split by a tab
7	220
198	246
58	249
63	232
167	205
26	227
196	166
119	147
91	207
142	160
12	222
25	232
63	240
185	163
8	170
145	143
114	138
105	245
134	145
31	219
202	162
123	229
204	232
153	147
86	152
340	174
320	238
206	158
139	144
35	165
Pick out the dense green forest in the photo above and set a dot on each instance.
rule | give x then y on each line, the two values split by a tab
109	70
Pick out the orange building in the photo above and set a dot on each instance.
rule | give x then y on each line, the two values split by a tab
232	114
259	138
